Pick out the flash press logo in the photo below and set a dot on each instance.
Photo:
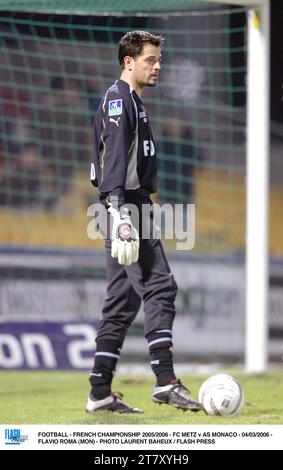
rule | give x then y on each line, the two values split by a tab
13	437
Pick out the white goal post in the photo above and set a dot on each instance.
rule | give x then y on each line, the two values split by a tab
257	183
257	251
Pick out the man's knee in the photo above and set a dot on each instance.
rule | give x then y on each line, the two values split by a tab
166	288
174	287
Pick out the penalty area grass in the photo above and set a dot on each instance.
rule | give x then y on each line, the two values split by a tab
45	397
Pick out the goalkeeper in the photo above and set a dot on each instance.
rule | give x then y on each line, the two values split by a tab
124	171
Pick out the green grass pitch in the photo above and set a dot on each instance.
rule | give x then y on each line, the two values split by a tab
59	398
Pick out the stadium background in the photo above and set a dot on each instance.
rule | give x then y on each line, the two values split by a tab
54	69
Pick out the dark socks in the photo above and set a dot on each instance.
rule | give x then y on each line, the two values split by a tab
161	357
105	360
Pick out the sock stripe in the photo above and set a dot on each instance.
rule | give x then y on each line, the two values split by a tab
160	340
164	331
108	354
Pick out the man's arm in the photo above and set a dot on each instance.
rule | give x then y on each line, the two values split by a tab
117	135
116	139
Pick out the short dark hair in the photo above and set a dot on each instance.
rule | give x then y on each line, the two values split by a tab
132	43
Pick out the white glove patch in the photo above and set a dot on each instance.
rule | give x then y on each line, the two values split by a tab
125	238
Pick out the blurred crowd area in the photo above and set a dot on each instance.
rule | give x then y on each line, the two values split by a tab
50	89
51	81
46	136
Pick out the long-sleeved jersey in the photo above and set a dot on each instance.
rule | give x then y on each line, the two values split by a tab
124	150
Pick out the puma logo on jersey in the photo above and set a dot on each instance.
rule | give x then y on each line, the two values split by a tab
116	122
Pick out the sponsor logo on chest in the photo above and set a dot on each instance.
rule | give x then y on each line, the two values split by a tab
142	114
148	148
115	107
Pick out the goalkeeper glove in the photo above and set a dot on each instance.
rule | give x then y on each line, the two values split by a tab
125	238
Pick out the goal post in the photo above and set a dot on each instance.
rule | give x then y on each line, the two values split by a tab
242	3
257	183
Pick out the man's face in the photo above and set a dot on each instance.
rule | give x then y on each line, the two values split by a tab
146	67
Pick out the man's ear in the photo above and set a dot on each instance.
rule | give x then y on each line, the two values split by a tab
128	63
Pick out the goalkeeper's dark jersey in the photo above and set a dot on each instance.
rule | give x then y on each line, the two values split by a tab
124	150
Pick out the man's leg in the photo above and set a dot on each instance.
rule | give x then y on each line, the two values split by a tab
121	306
152	279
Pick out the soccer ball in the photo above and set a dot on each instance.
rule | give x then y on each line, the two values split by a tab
221	395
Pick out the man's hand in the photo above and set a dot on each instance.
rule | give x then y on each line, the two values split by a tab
125	238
